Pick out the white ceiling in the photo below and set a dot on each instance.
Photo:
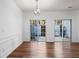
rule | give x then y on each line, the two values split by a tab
48	5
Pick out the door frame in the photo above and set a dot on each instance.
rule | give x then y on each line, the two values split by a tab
62	29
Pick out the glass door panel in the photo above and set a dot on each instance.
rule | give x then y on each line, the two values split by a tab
38	30
63	30
58	30
67	30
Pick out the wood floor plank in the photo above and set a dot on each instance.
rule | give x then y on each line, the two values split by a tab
46	50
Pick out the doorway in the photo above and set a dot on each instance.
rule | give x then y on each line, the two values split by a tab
38	30
63	30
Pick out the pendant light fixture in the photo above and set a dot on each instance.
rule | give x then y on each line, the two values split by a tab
37	10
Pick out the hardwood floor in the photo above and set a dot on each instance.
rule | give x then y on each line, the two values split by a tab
46	50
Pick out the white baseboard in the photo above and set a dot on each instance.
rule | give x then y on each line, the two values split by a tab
12	50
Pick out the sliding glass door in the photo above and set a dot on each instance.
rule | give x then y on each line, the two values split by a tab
63	29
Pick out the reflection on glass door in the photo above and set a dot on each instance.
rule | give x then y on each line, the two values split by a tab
62	30
58	28
38	30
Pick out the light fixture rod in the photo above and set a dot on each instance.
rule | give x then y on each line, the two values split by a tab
37	4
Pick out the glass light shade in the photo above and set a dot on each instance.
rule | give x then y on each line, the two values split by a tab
37	11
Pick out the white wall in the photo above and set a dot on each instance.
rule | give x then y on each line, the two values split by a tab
50	17
10	27
77	27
